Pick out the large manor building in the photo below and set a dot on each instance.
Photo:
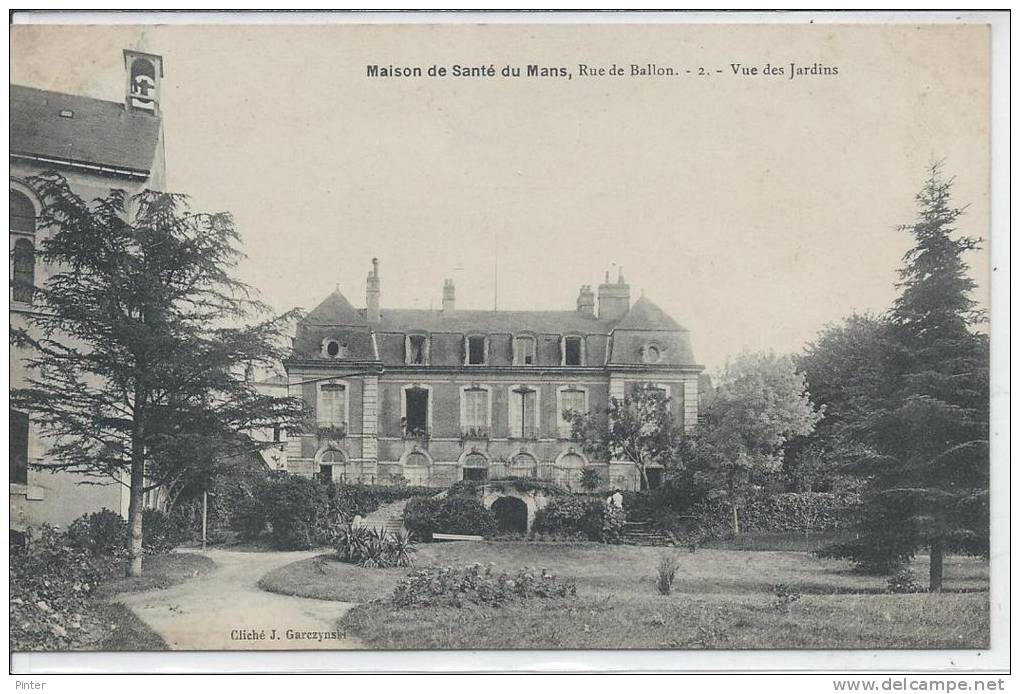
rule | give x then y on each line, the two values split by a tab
430	397
97	145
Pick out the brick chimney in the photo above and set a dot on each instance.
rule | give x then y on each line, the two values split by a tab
586	301
449	296
614	299
372	293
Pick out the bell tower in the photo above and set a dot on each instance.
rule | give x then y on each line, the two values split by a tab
144	72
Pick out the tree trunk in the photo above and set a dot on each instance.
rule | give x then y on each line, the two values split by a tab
134	539
937	553
733	504
644	479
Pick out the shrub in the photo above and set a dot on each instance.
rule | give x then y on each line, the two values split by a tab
590	479
668	565
421	517
455	587
300	512
373	549
903	582
247	515
292	506
464	516
51	580
160	532
100	534
583	516
875	558
460	515
785	597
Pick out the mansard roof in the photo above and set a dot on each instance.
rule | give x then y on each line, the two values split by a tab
645	315
623	342
489	322
91	131
336	310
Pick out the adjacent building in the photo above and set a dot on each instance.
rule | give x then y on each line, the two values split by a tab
97	146
431	397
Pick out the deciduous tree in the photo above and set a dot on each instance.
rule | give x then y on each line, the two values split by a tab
640	428
760	402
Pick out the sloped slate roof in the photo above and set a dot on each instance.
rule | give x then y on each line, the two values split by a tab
99	132
335	309
645	315
458	321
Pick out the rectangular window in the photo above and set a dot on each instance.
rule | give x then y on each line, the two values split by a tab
573	401
332	401
476	350
476	411
416	407
416	350
19	447
523	413
572	351
524	351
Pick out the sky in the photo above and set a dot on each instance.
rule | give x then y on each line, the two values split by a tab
754	209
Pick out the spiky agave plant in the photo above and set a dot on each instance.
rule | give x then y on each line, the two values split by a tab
401	547
376	552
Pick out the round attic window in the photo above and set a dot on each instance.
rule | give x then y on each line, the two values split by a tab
652	353
333	348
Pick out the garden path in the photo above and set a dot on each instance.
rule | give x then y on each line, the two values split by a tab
226	610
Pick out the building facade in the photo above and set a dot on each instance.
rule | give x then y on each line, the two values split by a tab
97	146
431	397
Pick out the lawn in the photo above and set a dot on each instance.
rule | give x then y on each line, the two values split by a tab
114	627
721	599
159	571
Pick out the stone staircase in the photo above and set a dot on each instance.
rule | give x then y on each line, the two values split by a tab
645	534
387	518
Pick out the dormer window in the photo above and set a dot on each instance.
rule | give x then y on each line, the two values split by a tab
333	348
524	350
475	349
416	349
573	351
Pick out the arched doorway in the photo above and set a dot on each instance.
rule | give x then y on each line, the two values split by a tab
511	514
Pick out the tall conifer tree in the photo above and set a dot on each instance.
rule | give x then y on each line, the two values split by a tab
140	343
927	421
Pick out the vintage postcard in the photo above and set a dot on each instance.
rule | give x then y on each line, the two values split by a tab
530	332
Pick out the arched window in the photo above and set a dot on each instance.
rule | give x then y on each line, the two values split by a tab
523	465
23	253
23	274
475	467
568	470
22	213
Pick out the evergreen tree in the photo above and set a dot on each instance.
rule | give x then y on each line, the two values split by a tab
140	342
926	421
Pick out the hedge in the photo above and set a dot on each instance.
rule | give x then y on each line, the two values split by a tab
789	512
579	515
459	515
294	512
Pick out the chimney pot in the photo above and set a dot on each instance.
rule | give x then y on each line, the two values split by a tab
372	293
449	296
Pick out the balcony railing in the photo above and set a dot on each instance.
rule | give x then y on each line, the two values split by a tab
474	432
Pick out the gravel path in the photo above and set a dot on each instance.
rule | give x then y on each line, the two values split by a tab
226	610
